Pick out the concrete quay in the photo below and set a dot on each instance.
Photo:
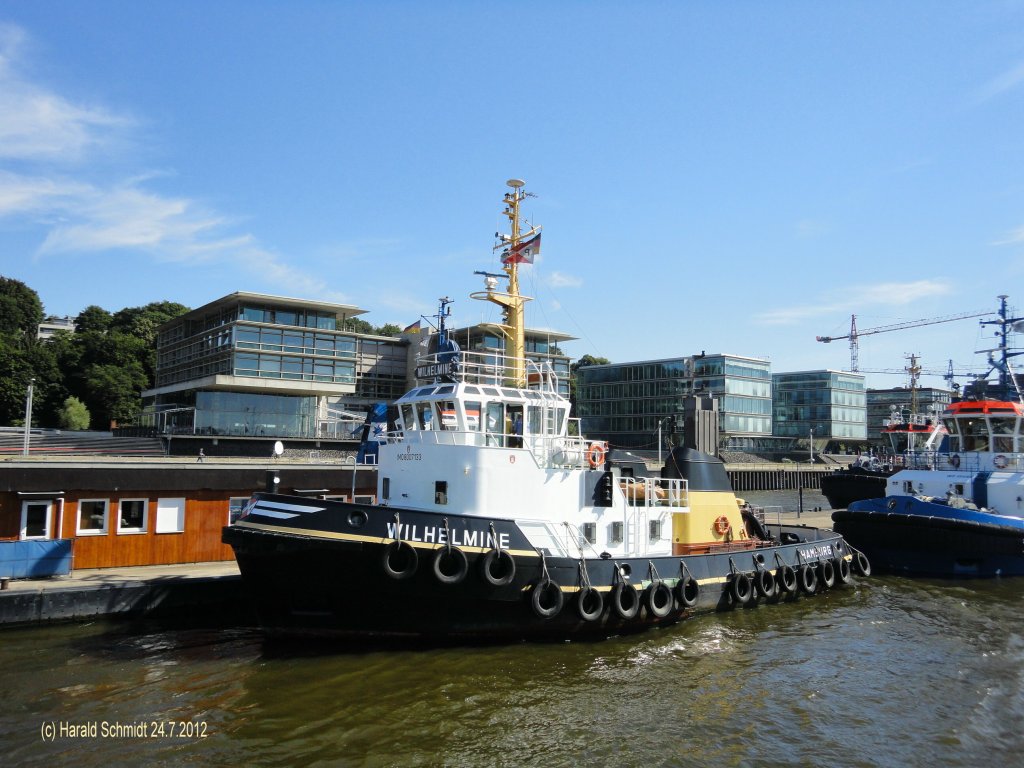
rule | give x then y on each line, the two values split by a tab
184	591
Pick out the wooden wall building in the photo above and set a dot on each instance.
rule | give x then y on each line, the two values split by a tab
128	513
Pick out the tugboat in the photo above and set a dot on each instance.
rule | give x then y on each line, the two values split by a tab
496	519
907	433
956	511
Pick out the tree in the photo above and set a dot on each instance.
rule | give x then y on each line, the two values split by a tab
21	311
74	414
389	329
91	319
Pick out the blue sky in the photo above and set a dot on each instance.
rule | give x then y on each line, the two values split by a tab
731	177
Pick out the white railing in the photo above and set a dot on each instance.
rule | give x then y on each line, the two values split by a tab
489	368
551	451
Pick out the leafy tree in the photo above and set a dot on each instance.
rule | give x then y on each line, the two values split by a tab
113	392
389	329
93	319
74	414
15	372
358	325
21	311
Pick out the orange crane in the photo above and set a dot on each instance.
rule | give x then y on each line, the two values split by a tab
854	334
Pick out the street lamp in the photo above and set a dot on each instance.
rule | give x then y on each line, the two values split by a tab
28	416
812	445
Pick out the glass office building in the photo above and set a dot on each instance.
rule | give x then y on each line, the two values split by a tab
831	405
252	365
625	403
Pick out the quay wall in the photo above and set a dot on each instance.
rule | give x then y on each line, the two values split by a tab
776	477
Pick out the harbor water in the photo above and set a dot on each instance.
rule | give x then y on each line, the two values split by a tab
889	672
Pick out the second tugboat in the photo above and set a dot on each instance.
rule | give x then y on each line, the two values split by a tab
497	519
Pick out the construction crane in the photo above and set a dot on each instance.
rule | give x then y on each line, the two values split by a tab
854	334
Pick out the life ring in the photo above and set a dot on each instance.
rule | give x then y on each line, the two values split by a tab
999	461
498	567
590	604
722	525
740	588
400	560
546	599
625	601
450	565
954	461
658	598
688	590
764	583
595	456
828	574
807	577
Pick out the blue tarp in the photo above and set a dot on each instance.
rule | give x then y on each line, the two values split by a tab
35	559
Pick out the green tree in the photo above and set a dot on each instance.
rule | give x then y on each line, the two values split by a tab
93	319
21	311
74	414
389	329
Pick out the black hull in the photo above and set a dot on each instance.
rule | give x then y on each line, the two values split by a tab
846	486
326	584
922	545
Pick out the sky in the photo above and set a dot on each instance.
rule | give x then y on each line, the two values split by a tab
733	177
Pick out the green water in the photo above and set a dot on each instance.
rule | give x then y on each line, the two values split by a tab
891	672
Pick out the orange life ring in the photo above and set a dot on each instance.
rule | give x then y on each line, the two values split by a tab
595	456
999	461
722	525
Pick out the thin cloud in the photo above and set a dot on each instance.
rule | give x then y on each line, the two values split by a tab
1003	82
57	146
1013	238
856	298
562	280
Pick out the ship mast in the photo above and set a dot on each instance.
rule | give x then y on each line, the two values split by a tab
513	327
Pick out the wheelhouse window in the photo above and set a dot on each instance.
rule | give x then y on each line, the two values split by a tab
92	516
36	517
131	515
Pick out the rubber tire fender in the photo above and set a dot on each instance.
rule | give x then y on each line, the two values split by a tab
764	583
543	591
588	596
741	588
786	578
403	550
505	563
842	570
861	565
807	578
828	574
625	601
447	556
688	592
658	598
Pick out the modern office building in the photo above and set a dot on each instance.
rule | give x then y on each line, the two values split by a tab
255	366
829	406
884	404
627	403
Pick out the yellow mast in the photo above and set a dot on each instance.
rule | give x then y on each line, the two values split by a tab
512	303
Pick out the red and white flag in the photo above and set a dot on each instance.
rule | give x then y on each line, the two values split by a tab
523	253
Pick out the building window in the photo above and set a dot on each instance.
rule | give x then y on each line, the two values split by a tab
35	519
92	517
236	504
131	515
170	515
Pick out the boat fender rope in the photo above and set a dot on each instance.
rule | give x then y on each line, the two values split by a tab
828	573
785	575
589	602
861	564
